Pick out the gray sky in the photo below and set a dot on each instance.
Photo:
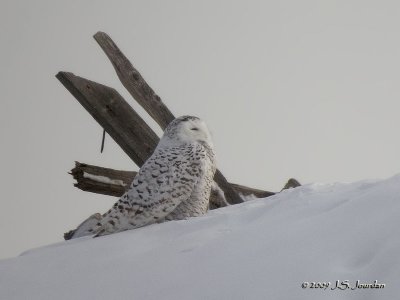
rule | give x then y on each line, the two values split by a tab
304	89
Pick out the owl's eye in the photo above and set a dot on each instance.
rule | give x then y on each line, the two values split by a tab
194	128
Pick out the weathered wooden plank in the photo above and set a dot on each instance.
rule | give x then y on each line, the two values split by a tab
101	180
134	82
149	100
112	182
114	114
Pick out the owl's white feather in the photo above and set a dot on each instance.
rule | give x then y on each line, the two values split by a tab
174	183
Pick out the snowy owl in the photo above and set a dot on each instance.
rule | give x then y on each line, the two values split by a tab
173	184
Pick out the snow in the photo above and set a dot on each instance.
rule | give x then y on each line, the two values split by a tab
261	249
103	179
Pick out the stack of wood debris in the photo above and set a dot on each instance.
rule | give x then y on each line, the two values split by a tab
131	132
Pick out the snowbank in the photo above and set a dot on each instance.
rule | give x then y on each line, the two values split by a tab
261	249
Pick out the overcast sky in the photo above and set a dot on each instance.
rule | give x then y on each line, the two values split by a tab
304	89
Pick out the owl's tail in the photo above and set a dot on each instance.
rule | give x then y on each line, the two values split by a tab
88	227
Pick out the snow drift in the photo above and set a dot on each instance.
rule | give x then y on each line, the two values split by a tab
261	249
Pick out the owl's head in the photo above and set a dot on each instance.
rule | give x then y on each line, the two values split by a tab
187	129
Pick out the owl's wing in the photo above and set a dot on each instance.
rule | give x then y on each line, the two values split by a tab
163	182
